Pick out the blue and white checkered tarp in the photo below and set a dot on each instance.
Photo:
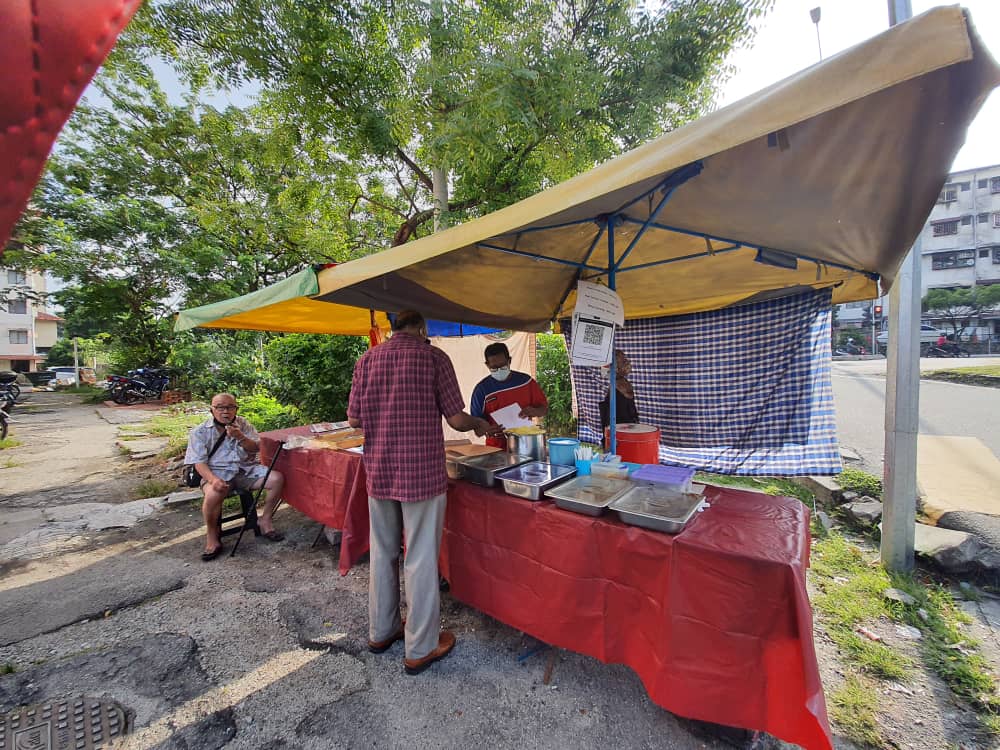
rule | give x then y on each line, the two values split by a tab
743	390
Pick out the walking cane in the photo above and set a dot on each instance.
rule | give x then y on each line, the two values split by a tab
260	493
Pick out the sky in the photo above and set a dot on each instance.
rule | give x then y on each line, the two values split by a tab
786	43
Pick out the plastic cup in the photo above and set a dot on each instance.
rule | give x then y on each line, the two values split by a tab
583	468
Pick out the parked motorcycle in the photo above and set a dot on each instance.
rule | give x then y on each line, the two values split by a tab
7	401
949	349
146	383
850	349
8	384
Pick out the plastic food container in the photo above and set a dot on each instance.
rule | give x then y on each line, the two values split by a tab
615	470
674	477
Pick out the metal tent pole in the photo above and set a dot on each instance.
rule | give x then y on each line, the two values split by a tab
613	393
902	397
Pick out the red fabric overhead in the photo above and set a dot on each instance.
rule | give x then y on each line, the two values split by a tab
49	51
715	621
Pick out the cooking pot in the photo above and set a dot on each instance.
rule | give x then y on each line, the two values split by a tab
527	444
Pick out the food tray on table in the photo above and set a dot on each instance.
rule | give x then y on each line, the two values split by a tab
483	469
588	494
656	507
531	480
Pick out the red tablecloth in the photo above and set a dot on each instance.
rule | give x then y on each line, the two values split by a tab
326	485
715	620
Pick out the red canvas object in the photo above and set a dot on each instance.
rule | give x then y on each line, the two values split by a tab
49	51
329	486
715	621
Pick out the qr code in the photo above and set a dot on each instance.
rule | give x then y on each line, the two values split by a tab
593	335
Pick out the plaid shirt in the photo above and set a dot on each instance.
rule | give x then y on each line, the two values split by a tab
401	390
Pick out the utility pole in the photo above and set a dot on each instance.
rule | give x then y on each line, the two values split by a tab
814	14
902	396
76	361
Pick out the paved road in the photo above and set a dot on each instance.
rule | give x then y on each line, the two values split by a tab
945	408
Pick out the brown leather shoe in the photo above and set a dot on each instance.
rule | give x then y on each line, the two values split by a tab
446	642
378	647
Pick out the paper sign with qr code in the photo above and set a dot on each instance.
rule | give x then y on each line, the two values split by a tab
592	342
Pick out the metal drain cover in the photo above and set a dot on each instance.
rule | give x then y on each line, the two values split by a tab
79	723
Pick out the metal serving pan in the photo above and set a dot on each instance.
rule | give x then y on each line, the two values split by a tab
656	507
588	494
531	480
483	469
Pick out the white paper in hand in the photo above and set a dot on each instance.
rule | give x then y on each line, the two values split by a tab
508	417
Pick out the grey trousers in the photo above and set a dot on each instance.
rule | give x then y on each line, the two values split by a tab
422	522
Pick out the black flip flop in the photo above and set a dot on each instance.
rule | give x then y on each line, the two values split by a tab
273	536
206	556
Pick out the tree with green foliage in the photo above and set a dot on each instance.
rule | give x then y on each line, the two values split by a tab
961	307
507	97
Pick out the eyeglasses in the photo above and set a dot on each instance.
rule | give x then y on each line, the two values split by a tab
227	407
497	369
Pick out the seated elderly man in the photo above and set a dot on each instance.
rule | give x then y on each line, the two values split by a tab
224	450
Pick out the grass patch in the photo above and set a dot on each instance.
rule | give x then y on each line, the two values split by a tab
855	480
853	707
991	370
851	594
154	488
174	423
9	442
768	485
9	463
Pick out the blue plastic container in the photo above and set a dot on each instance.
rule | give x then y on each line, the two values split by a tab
562	451
583	468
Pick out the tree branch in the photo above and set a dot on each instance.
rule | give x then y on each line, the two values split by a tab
421	174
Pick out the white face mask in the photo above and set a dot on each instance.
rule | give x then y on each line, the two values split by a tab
502	374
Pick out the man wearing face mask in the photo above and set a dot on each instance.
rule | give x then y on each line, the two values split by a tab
504	387
224	450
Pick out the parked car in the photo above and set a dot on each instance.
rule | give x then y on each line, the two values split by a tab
65	376
928	335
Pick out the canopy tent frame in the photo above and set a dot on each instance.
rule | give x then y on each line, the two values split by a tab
615	265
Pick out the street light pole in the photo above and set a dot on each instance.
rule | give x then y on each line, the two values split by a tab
814	14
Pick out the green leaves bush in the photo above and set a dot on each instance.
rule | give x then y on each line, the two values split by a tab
861	482
267	413
552	370
313	372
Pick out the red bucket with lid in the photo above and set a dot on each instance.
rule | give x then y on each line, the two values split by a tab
637	443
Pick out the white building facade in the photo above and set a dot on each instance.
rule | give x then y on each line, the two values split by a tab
27	329
960	248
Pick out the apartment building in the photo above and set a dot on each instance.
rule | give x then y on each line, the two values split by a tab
27	329
960	248
961	241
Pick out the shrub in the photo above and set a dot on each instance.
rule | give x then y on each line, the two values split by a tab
313	372
861	482
552	372
267	413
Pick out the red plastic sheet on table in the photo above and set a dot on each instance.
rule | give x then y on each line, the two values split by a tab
49	51
328	486
716	620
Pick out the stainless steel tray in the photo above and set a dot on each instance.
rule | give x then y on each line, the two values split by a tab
531	480
656	507
483	469
589	494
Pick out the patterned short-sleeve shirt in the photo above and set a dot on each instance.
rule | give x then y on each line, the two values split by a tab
230	458
401	390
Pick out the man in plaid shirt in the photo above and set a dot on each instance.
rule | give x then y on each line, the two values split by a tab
401	390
